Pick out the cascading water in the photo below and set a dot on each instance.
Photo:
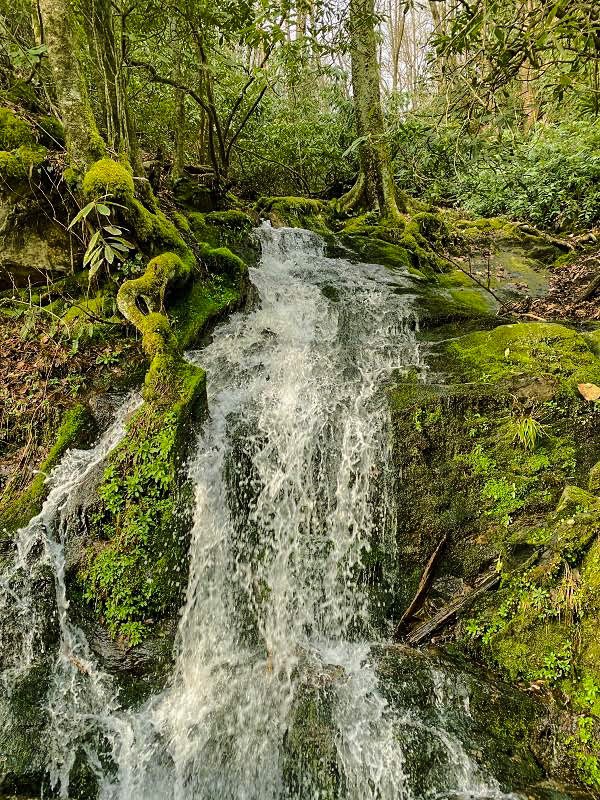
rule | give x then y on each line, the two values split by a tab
291	488
275	693
77	688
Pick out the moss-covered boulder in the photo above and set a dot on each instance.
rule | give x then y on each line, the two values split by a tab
76	429
496	460
295	212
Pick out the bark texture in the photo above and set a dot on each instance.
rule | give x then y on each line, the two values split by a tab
84	143
375	186
108	57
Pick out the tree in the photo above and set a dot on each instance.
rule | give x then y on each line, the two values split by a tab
108	53
59	34
374	187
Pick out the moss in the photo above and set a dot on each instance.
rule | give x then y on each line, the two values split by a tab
594	479
222	261
51	132
415	243
191	194
14	131
297	212
17	167
134	573
575	500
593	339
206	301
22	94
233	218
180	221
16	512
530	349
483	223
107	177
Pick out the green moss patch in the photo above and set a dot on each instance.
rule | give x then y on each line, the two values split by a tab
527	349
17	167
108	177
296	212
14	131
135	568
16	512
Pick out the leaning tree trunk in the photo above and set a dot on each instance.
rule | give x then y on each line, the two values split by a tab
84	143
375	186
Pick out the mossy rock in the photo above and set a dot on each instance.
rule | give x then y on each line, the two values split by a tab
533	349
108	178
14	131
497	724
134	571
575	500
295	212
76	428
205	302
191	194
17	167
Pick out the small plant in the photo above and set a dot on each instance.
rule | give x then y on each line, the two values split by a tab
527	431
106	245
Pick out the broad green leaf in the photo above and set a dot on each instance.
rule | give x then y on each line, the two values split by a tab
81	214
109	253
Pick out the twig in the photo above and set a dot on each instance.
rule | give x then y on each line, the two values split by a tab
425	631
419	597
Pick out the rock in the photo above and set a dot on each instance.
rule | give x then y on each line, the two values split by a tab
594	484
32	250
536	389
22	723
575	500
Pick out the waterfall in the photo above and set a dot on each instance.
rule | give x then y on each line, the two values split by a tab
293	485
77	688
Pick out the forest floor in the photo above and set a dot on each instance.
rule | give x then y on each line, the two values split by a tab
42	374
564	300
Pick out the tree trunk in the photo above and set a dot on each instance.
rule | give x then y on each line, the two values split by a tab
84	143
108	61
179	149
375	185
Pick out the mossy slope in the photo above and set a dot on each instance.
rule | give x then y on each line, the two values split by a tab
496	456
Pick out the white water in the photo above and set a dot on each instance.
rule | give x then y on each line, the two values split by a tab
78	690
291	487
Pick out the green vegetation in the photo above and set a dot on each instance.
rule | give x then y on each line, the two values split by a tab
455	143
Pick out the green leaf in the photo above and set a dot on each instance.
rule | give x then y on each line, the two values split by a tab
113	229
96	264
81	214
109	253
90	247
92	255
102	209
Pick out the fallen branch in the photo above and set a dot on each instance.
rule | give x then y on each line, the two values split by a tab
467	273
423	632
589	290
419	597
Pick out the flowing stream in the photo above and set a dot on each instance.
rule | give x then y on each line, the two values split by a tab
275	693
